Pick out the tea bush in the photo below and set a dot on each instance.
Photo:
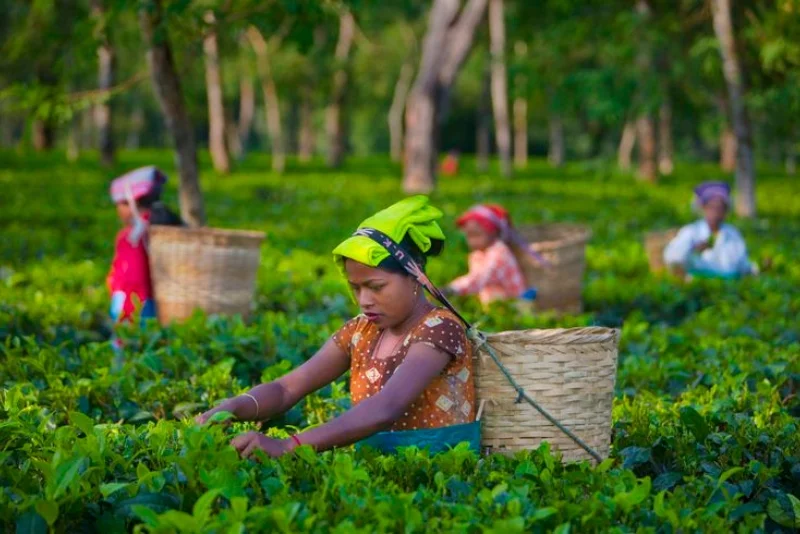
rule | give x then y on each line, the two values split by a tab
705	421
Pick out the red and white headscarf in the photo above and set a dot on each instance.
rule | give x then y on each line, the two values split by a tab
137	184
495	219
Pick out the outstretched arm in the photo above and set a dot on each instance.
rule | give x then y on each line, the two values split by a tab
278	396
422	364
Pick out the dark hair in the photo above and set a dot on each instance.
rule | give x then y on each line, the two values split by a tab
160	214
393	266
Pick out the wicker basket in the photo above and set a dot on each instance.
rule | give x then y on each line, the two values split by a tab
570	373
654	245
564	246
203	268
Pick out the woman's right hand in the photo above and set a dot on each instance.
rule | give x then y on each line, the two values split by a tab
233	405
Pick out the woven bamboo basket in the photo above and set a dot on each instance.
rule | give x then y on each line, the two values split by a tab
654	245
208	269
564	247
569	372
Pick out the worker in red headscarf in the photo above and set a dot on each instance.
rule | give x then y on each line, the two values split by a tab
494	273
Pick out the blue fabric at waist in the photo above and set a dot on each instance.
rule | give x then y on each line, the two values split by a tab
705	273
433	439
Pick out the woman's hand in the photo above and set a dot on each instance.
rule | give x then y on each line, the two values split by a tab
233	405
701	247
246	444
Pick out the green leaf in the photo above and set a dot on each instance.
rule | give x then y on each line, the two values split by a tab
728	474
142	472
48	510
220	417
106	490
202	508
31	523
785	510
544	513
666	481
605	465
628	500
634	456
147	515
695	422
66	473
83	422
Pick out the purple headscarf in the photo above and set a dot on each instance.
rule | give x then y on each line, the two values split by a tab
708	190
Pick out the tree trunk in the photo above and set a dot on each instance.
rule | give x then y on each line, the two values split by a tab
502	126
483	122
665	148
334	119
520	133
626	144
791	158
447	43
133	140
271	101
727	149
232	139
105	81
520	111
247	109
167	88
646	134
43	135
306	134
74	139
401	89
556	147
216	106
734	79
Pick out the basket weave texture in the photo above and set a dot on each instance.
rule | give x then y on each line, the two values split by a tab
208	269
564	247
569	372
654	245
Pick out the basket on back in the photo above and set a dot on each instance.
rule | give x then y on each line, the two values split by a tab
569	372
208	269
564	247
654	245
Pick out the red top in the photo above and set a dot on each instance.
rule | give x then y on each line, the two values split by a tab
130	269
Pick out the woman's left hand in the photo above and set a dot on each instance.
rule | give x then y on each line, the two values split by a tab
246	444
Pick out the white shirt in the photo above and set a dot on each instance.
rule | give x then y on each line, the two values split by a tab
727	256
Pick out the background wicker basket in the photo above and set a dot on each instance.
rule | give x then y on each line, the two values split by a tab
654	245
568	372
564	246
203	268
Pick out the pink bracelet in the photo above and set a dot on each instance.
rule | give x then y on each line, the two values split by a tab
296	440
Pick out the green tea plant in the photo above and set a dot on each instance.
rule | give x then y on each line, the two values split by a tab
705	422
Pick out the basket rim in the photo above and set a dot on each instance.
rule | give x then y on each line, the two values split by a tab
208	231
581	233
561	336
662	233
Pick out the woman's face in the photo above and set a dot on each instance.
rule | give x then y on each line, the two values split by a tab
124	212
387	299
478	238
715	211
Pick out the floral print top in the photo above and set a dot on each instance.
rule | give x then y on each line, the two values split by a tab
450	397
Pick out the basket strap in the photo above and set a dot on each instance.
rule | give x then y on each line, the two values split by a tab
477	337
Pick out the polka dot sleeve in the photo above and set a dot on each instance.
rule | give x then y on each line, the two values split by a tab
344	336
444	332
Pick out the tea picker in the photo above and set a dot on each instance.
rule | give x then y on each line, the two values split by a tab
421	374
710	248
137	196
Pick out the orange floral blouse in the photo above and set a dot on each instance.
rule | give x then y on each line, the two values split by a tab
448	400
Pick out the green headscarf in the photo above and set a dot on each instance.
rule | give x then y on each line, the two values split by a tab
413	217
